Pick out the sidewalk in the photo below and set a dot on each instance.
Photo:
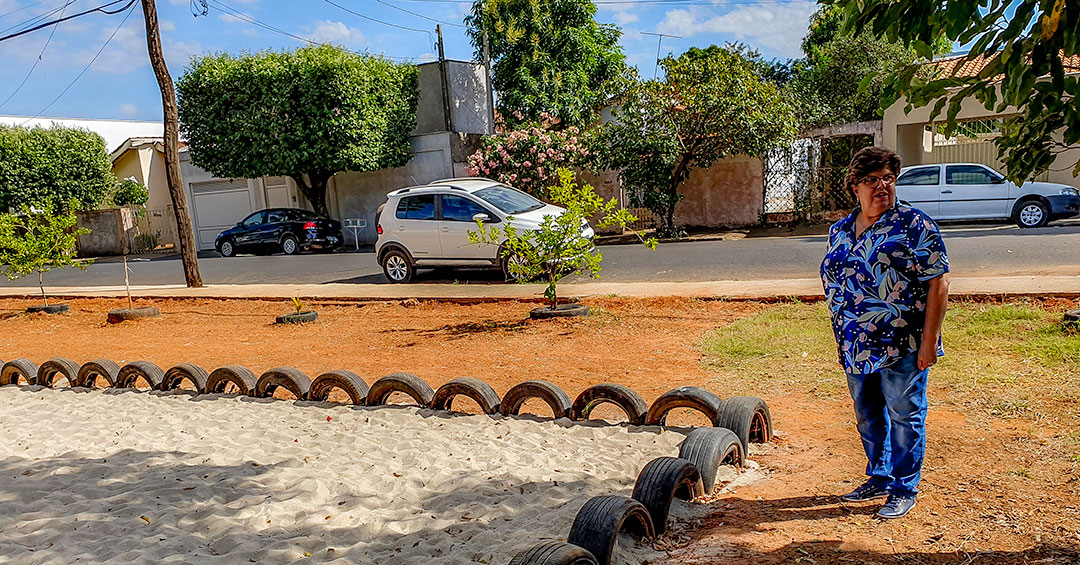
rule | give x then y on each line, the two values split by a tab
805	289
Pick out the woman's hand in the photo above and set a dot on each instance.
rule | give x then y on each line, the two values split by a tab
927	354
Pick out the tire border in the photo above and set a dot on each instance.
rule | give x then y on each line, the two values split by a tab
476	389
622	396
547	391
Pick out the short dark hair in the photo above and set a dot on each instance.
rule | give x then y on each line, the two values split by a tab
870	159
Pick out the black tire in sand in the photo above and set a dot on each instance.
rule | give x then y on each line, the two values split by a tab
660	482
708	449
683	397
12	370
550	393
242	379
347	381
131	373
597	525
91	370
288	378
554	553
177	374
748	417
476	389
622	396
408	383
57	367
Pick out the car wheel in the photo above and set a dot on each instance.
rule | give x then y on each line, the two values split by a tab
1032	214
397	267
509	259
227	249
289	245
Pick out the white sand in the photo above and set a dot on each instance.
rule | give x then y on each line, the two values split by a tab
240	480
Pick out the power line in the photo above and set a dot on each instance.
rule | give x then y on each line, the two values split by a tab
384	3
101	9
52	32
31	21
17	10
251	20
358	14
131	8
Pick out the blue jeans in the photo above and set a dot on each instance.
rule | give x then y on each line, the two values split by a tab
890	408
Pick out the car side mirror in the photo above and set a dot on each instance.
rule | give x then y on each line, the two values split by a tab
481	217
999	180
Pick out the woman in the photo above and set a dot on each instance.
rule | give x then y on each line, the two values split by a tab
887	287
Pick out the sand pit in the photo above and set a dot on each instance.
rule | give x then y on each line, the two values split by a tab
160	478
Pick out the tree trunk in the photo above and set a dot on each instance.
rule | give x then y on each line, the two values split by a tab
172	147
673	195
315	190
41	285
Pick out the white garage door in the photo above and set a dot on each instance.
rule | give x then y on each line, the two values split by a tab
217	206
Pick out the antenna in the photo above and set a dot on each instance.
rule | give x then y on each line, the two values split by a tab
659	39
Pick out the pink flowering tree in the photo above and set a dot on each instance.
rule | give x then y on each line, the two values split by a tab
528	158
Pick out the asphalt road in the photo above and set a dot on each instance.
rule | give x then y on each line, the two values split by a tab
974	250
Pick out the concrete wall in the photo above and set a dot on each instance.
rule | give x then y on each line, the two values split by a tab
468	99
358	195
111	232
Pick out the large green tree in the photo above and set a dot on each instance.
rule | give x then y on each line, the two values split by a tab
711	104
57	164
548	57
842	76
1024	45
306	114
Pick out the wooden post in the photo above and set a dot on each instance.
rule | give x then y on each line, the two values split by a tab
172	147
490	88
445	82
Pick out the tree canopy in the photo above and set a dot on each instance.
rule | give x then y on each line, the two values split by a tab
58	164
1023	45
306	114
711	104
548	56
37	241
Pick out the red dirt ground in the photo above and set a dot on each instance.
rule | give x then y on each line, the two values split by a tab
993	491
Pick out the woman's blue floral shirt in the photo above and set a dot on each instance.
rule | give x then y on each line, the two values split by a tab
876	286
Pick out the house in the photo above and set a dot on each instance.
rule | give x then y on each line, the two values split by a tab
920	140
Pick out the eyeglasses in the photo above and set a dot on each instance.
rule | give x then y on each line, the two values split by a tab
871	180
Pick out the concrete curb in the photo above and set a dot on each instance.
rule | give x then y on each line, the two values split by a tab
768	290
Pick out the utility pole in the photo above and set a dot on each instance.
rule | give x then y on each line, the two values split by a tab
490	88
445	82
172	147
659	39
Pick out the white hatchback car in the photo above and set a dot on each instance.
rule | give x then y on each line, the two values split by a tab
970	191
429	225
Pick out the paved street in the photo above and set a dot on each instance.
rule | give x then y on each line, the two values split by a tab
975	251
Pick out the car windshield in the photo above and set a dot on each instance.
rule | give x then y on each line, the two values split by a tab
509	200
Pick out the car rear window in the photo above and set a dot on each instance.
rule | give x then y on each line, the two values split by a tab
923	176
419	207
303	215
276	216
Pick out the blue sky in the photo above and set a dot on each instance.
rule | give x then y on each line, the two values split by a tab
120	84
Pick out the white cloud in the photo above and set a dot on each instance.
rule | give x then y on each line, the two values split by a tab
778	27
625	17
167	26
129	110
327	31
427	58
230	19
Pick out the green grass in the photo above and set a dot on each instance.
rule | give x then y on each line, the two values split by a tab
1005	360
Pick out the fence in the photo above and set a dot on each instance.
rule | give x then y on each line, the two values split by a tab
804	180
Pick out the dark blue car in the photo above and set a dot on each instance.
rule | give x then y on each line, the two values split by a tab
288	230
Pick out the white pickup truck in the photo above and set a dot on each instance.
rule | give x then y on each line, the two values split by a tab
970	191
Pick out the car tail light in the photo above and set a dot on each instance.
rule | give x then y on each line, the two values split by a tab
309	225
378	229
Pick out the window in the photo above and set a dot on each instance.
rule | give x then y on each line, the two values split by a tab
302	215
969	174
254	219
420	207
918	177
460	209
275	216
509	200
